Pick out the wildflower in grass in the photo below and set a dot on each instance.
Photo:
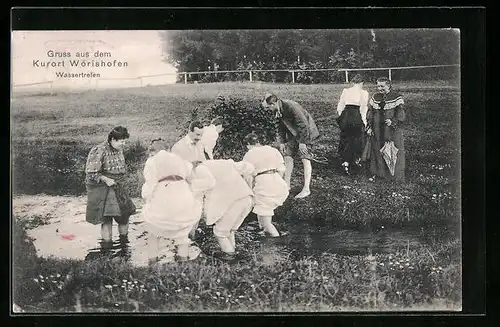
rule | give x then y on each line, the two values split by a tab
187	288
42	288
124	280
217	293
292	271
218	280
58	275
196	296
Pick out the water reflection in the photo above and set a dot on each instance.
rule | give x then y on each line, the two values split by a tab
310	239
116	249
303	239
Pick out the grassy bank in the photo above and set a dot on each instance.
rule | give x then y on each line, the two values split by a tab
416	279
52	134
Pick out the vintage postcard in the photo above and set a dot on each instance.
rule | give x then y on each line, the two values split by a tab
236	170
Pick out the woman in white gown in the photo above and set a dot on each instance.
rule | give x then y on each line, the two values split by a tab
170	209
269	188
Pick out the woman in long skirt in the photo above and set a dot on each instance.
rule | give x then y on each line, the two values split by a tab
351	109
386	117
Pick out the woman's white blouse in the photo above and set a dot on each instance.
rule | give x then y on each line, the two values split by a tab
354	96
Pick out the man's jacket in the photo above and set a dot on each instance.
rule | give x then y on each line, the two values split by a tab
296	122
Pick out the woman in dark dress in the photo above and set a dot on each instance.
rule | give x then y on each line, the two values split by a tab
386	117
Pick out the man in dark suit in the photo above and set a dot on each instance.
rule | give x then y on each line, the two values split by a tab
296	131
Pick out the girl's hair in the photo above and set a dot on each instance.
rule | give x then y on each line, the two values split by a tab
384	80
251	139
358	78
157	144
270	98
195	124
118	133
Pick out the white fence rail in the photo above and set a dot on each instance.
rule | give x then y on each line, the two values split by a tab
143	80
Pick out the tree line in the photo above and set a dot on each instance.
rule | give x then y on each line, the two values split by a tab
221	50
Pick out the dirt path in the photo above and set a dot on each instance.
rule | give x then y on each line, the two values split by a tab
65	234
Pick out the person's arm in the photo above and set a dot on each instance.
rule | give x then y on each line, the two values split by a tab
201	180
399	117
94	164
280	167
175	148
301	124
363	108
369	117
341	103
246	170
209	148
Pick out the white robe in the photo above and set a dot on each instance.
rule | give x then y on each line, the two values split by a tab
170	207
188	151
229	187
270	190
